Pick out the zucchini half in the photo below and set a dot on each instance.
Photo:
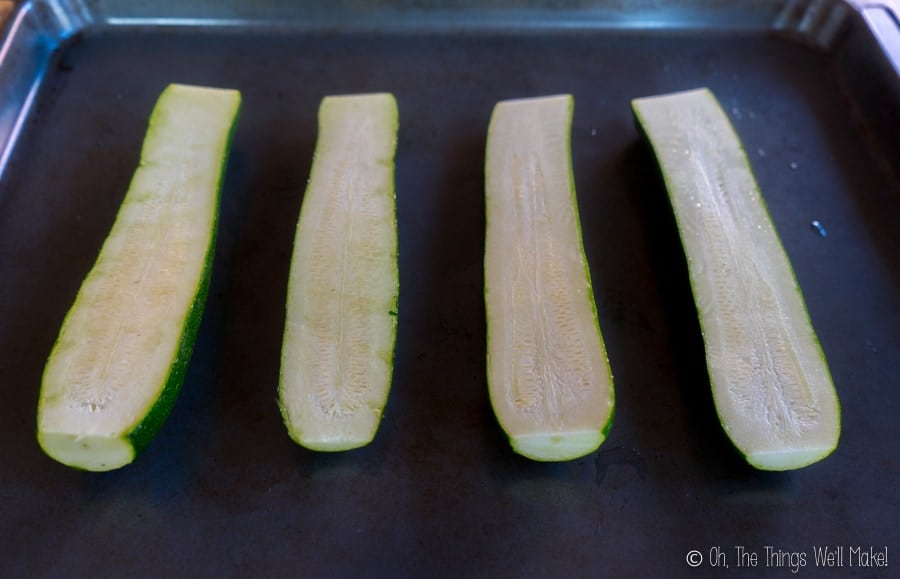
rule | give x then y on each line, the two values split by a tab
770	381
341	322
549	378
121	355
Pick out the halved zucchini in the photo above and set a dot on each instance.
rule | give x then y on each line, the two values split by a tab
549	379
121	355
341	323
770	382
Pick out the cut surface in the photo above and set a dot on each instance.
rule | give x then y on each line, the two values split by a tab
771	385
90	452
124	342
340	329
557	446
548	374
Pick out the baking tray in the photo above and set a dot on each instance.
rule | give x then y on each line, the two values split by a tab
810	86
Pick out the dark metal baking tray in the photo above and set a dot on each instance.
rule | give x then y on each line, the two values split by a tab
810	87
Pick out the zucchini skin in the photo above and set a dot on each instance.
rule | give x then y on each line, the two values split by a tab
144	432
145	429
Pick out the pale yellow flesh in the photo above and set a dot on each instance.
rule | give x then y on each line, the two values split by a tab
337	356
771	385
548	373
118	341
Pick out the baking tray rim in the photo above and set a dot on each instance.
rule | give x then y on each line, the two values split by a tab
32	31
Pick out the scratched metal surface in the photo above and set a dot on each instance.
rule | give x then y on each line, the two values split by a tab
223	492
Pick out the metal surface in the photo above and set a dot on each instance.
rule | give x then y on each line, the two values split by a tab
224	492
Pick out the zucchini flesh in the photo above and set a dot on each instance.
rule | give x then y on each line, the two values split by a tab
121	355
770	381
341	321
549	379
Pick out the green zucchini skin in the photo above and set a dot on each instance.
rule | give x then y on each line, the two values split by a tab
549	378
771	385
78	443
142	434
